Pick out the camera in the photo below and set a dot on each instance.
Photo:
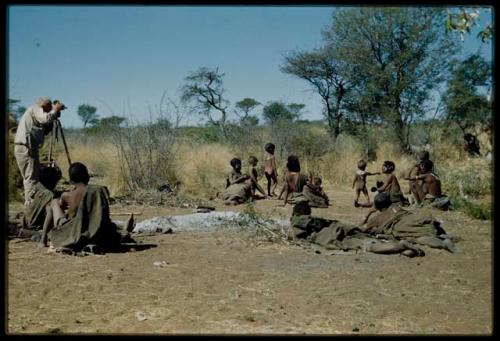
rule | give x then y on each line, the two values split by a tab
62	105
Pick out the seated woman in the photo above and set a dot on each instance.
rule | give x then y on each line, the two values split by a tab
315	194
238	186
431	186
294	182
81	217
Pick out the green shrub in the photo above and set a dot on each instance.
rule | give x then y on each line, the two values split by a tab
475	210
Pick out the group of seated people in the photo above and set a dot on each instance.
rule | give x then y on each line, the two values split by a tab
81	216
424	184
297	187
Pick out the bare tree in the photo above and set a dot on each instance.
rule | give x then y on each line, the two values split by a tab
204	90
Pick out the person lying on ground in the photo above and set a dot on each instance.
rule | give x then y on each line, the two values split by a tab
417	226
337	235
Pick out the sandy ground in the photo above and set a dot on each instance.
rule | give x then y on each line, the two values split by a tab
227	283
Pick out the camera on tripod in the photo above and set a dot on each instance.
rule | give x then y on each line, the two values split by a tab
63	107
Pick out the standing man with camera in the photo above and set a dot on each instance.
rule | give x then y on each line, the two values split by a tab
35	123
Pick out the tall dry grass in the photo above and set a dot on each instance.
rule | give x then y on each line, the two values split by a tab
201	169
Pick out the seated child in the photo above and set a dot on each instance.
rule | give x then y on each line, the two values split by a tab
391	183
252	160
238	186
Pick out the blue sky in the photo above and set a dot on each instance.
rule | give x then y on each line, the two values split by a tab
115	57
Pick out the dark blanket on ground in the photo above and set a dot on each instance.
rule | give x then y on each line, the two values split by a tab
91	225
338	235
34	213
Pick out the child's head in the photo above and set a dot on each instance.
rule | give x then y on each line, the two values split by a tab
316	181
252	160
301	208
381	201
361	164
78	173
293	164
388	167
49	176
236	164
423	155
269	147
426	166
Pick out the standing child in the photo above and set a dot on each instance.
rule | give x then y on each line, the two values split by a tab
252	160
270	169
359	183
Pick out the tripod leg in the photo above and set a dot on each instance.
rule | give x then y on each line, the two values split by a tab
64	142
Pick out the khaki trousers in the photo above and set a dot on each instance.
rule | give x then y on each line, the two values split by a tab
29	166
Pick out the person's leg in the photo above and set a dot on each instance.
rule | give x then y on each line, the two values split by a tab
356	197
268	178
29	167
47	226
437	243
365	192
275	184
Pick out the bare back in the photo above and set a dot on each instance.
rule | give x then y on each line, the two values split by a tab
269	163
71	200
432	185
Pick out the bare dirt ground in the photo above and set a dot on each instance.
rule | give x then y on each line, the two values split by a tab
223	283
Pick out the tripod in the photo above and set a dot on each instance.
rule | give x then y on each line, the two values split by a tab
56	129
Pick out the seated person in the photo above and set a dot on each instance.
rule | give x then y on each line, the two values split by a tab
294	181
252	160
315	194
238	186
431	187
81	217
40	198
391	183
416	226
415	185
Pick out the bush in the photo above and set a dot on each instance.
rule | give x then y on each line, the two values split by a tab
475	210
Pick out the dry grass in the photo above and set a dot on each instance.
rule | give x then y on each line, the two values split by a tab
201	169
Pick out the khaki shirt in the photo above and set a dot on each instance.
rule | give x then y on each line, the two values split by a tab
33	126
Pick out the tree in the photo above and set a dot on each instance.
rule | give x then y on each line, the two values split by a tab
324	72
245	106
277	111
396	57
15	109
462	21
87	114
204	90
464	105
